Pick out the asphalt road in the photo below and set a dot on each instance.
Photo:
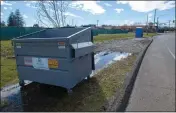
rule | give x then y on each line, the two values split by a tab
154	88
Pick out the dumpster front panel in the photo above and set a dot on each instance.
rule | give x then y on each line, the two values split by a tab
51	63
52	77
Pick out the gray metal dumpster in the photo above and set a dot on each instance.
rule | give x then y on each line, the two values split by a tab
58	56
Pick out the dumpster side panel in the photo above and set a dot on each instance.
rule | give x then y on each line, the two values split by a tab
81	68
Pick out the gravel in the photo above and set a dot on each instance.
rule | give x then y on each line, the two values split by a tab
125	45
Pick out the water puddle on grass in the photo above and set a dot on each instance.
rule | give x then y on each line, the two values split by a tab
15	98
105	58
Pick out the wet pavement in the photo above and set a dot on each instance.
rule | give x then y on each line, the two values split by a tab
25	98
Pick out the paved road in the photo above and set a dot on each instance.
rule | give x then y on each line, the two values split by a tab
154	89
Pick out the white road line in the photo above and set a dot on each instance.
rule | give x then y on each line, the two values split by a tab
171	53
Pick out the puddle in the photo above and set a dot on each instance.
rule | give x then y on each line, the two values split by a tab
17	98
105	58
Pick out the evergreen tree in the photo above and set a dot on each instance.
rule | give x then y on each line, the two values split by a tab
10	20
35	25
3	24
18	19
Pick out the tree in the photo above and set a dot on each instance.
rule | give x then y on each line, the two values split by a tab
52	12
35	25
18	19
10	20
3	24
15	19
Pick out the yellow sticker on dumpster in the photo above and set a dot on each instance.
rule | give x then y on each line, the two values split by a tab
53	63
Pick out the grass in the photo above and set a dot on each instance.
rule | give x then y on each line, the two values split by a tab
105	37
6	48
3	103
8	65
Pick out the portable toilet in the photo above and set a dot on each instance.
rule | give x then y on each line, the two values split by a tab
58	56
139	32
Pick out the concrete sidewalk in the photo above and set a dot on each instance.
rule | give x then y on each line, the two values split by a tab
154	88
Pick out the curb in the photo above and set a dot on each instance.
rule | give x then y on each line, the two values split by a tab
130	84
121	102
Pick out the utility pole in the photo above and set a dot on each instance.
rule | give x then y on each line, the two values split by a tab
72	21
97	22
147	24
169	23
154	19
154	16
157	23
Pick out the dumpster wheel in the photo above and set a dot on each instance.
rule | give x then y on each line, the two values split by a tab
21	83
88	77
69	91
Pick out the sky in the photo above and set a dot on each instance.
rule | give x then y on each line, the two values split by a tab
107	12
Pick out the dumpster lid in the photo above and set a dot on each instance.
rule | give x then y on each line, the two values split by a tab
81	45
54	33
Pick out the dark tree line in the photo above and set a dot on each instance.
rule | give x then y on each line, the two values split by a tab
15	19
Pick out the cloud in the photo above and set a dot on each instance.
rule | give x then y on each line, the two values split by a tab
150	14
119	10
129	22
5	3
88	6
33	1
25	16
108	5
30	4
122	2
13	2
10	8
5	8
73	15
146	6
34	20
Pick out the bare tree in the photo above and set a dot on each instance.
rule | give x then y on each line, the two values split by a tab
52	12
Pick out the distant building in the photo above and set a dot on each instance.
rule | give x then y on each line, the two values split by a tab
89	25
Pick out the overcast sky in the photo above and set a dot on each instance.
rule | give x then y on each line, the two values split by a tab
107	12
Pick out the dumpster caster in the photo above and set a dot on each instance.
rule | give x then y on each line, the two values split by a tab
69	91
88	77
21	83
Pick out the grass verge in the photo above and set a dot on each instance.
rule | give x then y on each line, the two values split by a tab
105	37
8	65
